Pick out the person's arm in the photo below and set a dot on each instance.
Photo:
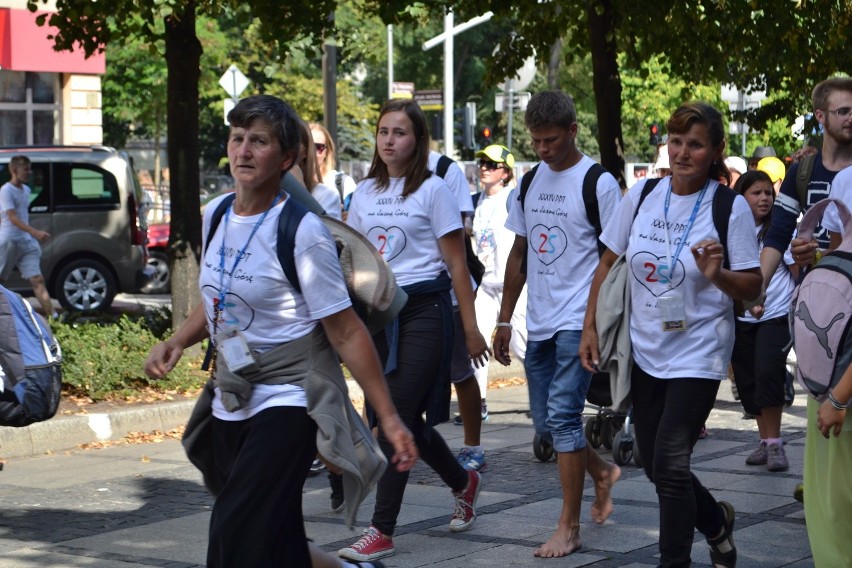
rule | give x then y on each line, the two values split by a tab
830	418
349	337
452	248
589	354
738	284
164	355
513	284
40	236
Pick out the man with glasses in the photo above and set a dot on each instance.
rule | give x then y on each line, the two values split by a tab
832	104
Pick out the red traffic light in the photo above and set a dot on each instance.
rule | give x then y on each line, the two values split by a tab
486	132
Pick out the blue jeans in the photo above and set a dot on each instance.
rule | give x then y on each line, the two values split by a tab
557	386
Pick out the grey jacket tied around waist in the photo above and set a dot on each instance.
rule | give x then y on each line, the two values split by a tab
612	318
342	437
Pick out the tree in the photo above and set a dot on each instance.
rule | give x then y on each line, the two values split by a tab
90	26
753	44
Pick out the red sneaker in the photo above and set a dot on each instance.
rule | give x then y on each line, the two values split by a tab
465	512
371	546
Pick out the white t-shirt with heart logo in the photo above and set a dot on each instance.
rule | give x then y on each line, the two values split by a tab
562	251
406	231
704	349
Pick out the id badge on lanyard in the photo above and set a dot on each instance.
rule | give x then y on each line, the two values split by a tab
672	311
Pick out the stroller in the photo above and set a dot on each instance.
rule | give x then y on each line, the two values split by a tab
607	427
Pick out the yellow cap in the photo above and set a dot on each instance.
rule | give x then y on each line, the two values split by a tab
497	153
773	167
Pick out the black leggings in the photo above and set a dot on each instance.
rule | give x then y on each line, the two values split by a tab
668	415
759	361
263	463
418	363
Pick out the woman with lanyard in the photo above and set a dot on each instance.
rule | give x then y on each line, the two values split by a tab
681	321
263	437
413	219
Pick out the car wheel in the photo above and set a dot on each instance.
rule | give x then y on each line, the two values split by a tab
85	285
161	282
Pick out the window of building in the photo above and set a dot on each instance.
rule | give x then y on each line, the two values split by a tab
29	108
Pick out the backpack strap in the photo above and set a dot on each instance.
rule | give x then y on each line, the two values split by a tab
590	200
475	198
443	165
525	185
723	204
803	178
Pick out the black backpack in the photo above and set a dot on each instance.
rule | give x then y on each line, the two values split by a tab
30	364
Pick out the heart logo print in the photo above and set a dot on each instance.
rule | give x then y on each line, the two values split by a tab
652	272
389	241
548	243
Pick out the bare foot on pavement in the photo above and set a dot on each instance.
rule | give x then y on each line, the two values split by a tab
602	507
562	543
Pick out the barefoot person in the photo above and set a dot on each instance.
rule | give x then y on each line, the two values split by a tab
681	321
559	267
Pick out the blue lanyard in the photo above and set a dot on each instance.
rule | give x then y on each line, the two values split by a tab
222	289
673	260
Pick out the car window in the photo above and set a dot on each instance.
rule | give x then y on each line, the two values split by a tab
84	186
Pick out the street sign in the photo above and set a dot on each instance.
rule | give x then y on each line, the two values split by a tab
522	78
229	106
233	81
432	99
521	100
402	90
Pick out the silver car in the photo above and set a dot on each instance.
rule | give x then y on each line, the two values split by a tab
90	201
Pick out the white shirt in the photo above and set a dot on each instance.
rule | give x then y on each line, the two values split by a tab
704	349
562	252
455	180
259	300
492	240
779	292
329	199
17	199
406	231
330	179
841	188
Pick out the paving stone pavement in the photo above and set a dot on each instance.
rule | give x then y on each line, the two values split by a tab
132	506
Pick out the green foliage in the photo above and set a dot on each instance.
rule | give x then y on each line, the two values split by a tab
103	359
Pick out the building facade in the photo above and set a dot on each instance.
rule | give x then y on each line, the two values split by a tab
47	97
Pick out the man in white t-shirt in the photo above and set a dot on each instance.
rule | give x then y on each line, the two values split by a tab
559	243
19	242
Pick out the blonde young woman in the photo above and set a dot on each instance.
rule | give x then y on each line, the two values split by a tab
325	195
327	161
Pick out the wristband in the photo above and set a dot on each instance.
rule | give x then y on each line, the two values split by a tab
504	324
835	403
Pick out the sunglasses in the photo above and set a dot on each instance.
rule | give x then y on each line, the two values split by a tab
489	165
320	148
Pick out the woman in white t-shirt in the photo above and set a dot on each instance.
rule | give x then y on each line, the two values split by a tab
762	341
326	156
268	336
681	321
413	219
326	196
492	243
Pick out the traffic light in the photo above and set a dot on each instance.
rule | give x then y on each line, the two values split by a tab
464	122
485	135
437	127
655	138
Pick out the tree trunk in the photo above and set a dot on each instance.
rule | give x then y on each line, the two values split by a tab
554	63
607	86
183	56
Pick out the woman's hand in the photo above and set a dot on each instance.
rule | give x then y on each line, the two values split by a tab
804	252
477	348
405	450
589	354
708	255
162	358
830	418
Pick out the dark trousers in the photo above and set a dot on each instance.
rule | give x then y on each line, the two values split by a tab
418	362
759	361
264	461
668	415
